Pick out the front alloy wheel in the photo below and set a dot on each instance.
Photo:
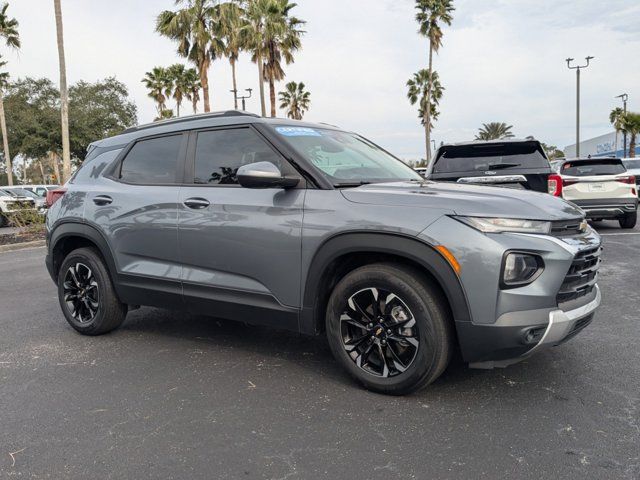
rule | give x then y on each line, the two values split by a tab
379	332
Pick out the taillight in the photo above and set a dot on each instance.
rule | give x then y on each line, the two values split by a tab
629	179
54	195
554	185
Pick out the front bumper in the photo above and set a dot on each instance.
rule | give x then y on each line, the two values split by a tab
561	327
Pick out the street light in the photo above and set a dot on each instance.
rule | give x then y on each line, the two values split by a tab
577	68
624	98
243	98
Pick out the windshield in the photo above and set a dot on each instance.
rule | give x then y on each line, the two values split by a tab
593	167
24	193
345	158
491	156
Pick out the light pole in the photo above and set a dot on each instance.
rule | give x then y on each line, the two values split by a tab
577	68
624	98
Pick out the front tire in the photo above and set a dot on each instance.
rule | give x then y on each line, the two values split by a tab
86	294
389	328
629	220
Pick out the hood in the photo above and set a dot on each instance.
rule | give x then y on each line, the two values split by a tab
469	200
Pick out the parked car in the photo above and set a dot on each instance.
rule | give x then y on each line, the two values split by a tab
633	168
602	187
520	164
310	228
37	199
421	170
40	190
556	164
10	202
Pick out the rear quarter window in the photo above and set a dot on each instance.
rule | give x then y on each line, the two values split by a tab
93	166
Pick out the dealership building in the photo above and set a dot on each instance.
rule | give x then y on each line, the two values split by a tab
608	145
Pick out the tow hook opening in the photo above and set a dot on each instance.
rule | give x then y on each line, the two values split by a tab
533	335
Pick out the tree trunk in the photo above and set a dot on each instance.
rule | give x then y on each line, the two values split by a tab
263	107
178	108
272	96
194	102
427	110
5	142
232	61
44	180
64	95
56	169
632	145
204	80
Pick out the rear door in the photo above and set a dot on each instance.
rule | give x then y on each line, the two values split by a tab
239	248
135	208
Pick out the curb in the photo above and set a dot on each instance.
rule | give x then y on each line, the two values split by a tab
21	246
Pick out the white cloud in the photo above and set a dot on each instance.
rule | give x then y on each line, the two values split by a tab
501	61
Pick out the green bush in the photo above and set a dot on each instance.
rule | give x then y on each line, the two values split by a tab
26	218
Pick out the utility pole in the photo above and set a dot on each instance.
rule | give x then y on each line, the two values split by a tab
244	97
624	98
577	68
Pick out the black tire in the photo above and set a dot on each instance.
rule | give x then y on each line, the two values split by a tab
3	220
99	310
417	299
629	220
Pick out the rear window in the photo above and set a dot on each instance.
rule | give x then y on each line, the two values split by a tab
585	168
152	162
635	164
492	156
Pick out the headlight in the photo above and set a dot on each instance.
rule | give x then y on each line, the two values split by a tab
519	269
500	225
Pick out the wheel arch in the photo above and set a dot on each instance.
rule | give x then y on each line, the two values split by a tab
342	253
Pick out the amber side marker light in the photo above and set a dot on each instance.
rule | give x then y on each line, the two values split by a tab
444	251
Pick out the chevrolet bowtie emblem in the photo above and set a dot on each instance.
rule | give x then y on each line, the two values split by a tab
379	331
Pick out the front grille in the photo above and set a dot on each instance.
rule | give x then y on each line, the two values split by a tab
564	228
582	275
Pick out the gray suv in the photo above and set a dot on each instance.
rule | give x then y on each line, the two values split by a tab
310	228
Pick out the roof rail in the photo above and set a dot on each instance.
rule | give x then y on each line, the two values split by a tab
187	118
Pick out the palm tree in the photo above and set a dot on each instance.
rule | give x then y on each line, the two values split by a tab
64	95
192	82
180	83
431	13
9	33
283	40
615	118
160	85
193	28
295	100
418	87
631	125
231	24
494	131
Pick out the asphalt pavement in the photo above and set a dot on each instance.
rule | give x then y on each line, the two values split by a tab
177	396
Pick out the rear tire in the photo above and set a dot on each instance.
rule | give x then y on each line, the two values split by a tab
3	221
629	220
398	346
86	294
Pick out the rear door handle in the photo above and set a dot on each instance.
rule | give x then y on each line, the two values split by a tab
102	200
197	203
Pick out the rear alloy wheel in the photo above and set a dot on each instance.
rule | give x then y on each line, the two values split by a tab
629	220
86	294
389	328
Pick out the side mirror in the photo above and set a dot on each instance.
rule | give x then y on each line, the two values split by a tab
264	175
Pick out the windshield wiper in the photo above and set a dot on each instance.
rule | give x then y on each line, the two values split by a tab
499	166
351	184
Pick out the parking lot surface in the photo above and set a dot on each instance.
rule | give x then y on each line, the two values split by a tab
171	395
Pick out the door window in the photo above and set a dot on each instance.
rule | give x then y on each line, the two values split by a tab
152	161
219	154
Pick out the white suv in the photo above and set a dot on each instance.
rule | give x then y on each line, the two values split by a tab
601	187
10	202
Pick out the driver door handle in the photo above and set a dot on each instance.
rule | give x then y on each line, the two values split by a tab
196	203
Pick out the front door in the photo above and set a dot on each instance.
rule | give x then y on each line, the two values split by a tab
239	248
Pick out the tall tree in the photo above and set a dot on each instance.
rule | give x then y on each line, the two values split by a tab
8	32
283	39
193	87
64	95
180	83
193	27
230	26
160	84
418	92
631	125
431	14
494	131
295	100
615	118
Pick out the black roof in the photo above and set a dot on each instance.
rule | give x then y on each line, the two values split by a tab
189	118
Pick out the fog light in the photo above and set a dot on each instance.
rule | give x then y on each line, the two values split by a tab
520	269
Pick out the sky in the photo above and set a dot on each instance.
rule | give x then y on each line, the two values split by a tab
501	60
